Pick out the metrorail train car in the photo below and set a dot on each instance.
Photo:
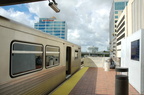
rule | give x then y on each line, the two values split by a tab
33	62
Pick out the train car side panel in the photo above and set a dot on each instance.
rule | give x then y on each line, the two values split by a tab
5	40
36	84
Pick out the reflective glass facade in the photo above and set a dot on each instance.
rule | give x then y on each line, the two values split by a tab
52	27
116	17
116	12
120	5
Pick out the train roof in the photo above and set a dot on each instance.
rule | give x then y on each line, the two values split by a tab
11	24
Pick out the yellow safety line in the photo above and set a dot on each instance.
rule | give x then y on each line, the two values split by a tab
66	87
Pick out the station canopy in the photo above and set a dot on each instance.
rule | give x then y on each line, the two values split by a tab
13	2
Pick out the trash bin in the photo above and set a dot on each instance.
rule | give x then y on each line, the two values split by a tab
121	81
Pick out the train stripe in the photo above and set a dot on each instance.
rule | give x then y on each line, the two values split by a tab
66	88
39	83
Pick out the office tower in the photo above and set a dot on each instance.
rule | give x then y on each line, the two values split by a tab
52	26
117	8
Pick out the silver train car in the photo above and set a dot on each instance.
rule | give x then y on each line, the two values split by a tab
33	62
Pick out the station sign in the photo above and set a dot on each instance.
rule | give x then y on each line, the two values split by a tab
47	20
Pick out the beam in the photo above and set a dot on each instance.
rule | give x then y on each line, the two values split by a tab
13	2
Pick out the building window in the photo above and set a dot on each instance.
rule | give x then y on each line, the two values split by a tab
116	12
63	37
63	31
119	5
76	54
121	21
25	58
52	56
62	34
116	17
126	3
135	50
119	43
121	37
57	34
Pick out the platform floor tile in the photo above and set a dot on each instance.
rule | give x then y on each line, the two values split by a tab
91	81
96	81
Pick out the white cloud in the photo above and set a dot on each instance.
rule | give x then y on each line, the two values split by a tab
21	17
87	20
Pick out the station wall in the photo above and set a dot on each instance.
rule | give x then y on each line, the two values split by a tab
134	63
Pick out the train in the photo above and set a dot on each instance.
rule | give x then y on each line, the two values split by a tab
33	62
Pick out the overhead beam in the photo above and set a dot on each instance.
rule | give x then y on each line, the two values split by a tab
13	2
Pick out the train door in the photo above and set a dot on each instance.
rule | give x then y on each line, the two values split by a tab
68	61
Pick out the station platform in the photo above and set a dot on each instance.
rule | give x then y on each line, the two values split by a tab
91	81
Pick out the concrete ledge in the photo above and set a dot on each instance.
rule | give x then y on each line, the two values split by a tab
94	61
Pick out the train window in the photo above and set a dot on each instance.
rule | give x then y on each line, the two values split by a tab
76	54
26	47
25	58
52	56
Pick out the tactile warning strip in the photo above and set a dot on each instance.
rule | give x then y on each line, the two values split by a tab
66	88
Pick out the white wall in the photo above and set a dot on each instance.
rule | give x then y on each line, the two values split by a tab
142	61
136	68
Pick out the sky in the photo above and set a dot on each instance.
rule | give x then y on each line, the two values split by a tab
87	20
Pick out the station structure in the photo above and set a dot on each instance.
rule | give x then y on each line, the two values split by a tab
127	43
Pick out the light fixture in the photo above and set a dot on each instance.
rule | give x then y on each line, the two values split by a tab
53	5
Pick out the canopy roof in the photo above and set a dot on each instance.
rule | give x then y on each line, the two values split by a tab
12	2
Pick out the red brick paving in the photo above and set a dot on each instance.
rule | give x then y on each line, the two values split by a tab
96	81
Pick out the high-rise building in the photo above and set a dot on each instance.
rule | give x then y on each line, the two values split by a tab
52	26
117	8
129	35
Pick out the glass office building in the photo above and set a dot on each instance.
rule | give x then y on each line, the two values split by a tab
120	5
52	26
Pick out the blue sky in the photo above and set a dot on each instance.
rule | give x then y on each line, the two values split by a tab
20	8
